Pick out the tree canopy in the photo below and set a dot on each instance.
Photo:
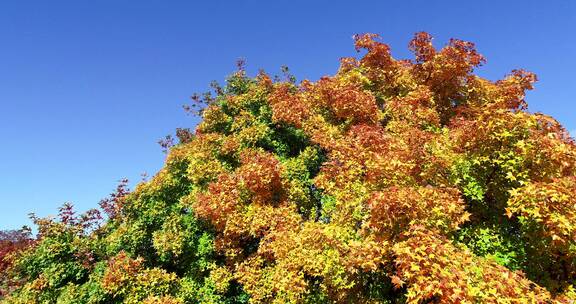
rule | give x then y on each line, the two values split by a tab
392	181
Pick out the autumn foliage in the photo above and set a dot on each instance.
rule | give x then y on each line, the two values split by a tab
11	242
392	181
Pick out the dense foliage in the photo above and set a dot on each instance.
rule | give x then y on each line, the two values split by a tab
393	181
11	242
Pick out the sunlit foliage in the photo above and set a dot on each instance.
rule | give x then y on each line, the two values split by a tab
392	181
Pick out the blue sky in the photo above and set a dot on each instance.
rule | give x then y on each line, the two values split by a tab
88	87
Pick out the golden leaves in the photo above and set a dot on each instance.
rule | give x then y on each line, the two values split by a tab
383	200
552	207
394	210
127	277
433	268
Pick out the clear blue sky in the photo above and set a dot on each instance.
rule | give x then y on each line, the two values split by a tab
88	87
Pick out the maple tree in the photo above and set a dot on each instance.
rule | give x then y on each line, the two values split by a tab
11	241
392	181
